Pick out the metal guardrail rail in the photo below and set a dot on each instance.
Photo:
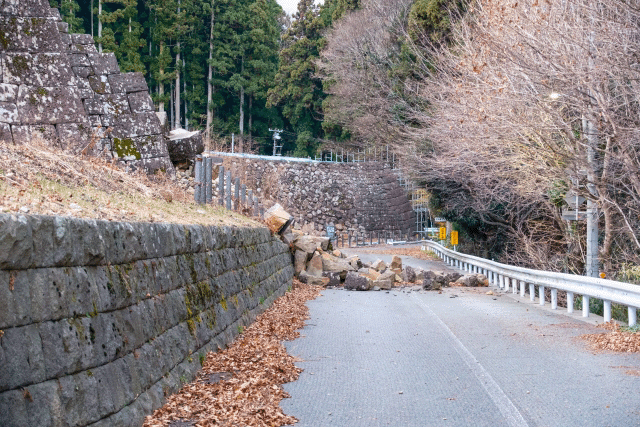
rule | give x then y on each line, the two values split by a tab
506	276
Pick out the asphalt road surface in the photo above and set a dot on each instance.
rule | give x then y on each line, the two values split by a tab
456	358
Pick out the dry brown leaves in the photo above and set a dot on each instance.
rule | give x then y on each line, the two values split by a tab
614	340
253	369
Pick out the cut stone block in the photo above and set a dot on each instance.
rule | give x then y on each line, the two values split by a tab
107	105
128	82
29	35
50	105
141	102
83	39
79	60
9	113
5	133
24	8
100	84
104	63
74	137
24	134
140	124
40	69
8	93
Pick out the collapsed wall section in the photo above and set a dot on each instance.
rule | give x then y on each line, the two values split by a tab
100	321
56	86
358	196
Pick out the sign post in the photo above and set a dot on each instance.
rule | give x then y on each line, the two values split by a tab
454	239
443	234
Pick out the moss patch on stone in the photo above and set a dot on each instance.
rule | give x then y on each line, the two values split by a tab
126	148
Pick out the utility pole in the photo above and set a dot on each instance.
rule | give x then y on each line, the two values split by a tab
277	146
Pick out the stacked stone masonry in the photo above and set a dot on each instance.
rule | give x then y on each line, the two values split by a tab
100	321
358	196
56	85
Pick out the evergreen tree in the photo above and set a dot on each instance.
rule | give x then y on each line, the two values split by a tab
69	10
297	89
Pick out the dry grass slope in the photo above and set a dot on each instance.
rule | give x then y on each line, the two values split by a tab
38	178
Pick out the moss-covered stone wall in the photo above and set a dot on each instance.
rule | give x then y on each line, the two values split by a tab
100	321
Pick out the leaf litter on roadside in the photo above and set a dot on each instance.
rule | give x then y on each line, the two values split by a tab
242	385
615	339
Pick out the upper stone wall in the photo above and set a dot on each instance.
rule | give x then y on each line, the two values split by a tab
357	196
56	85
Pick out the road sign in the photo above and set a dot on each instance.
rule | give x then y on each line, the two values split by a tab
443	233
573	200
454	238
331	231
439	219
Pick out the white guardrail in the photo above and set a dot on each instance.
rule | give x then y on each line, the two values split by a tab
506	276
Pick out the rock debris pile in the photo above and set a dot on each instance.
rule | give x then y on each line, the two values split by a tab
317	263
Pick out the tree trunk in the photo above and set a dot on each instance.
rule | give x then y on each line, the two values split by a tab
99	25
210	87
176	115
91	18
241	124
161	81
250	122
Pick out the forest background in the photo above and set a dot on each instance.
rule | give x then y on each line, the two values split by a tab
502	109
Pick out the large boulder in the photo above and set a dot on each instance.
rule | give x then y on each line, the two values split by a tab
473	280
278	220
334	278
370	273
419	275
396	263
310	244
384	284
435	280
355	262
408	275
314	267
389	275
356	282
300	261
313	280
336	265
379	265
184	145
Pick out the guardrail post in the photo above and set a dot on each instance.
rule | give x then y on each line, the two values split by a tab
607	311
494	278
532	292
585	306
632	316
541	294
505	281
554	299
514	285
523	284
569	302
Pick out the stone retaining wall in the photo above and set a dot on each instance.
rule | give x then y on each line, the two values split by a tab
56	86
99	321
358	196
